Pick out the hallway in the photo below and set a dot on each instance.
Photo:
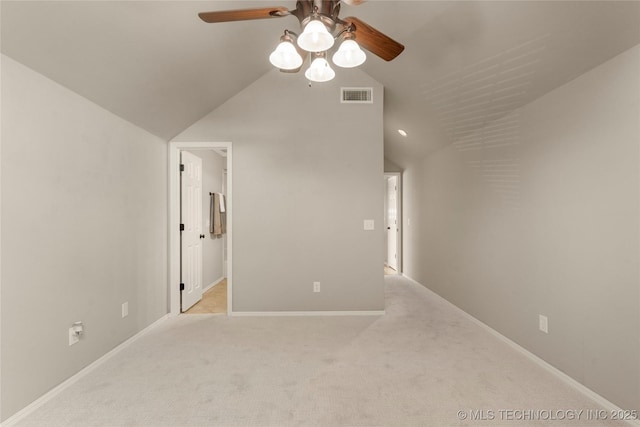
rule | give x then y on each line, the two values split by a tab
214	301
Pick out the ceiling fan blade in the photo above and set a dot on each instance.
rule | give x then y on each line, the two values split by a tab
243	14
375	41
353	2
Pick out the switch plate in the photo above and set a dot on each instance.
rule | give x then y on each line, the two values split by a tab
543	323
369	224
125	309
316	286
73	338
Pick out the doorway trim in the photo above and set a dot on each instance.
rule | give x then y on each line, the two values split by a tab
173	281
398	175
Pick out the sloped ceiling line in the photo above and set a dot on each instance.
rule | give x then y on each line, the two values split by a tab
466	64
478	108
480	93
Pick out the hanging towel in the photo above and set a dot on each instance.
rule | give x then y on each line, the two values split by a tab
217	223
223	214
212	213
217	215
222	203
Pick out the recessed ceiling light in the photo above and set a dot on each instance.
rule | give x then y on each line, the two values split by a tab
402	132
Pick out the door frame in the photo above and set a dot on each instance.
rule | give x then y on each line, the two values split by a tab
398	176
173	281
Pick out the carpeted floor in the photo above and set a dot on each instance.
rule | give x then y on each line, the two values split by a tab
418	365
214	300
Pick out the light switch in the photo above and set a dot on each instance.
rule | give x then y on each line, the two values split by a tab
368	224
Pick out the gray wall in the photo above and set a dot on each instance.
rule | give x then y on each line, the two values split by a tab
547	226
84	220
389	166
213	165
307	171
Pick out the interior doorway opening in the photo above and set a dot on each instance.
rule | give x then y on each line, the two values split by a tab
200	204
393	223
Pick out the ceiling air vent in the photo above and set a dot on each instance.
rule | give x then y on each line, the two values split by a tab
356	95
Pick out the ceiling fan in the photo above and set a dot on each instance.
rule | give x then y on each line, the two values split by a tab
321	27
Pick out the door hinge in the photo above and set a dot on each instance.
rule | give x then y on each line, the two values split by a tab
182	286
181	168
181	227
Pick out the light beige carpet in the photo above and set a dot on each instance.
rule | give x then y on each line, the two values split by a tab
422	364
214	300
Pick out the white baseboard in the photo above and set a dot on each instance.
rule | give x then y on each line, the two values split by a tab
211	285
24	412
310	313
581	388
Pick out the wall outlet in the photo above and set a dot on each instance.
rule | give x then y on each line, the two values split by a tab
73	337
543	323
125	309
368	224
316	286
75	332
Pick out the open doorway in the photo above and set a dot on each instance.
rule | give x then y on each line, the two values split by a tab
393	223
212	244
209	294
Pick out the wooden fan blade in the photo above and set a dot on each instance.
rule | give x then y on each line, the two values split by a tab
353	2
243	14
375	41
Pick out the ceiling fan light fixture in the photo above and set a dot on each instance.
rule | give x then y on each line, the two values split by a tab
285	56
349	55
315	37
320	71
320	26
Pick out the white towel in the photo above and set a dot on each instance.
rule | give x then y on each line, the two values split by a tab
222	208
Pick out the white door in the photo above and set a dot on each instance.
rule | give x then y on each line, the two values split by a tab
392	222
192	235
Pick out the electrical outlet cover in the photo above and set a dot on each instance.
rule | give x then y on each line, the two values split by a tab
543	324
73	338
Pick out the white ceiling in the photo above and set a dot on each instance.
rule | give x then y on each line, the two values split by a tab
157	65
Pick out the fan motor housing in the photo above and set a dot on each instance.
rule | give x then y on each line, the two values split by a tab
327	11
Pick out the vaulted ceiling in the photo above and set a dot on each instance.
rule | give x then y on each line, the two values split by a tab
155	64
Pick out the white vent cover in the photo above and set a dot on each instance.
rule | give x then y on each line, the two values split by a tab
356	95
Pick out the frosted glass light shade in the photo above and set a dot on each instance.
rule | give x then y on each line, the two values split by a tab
320	71
349	55
285	57
315	37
